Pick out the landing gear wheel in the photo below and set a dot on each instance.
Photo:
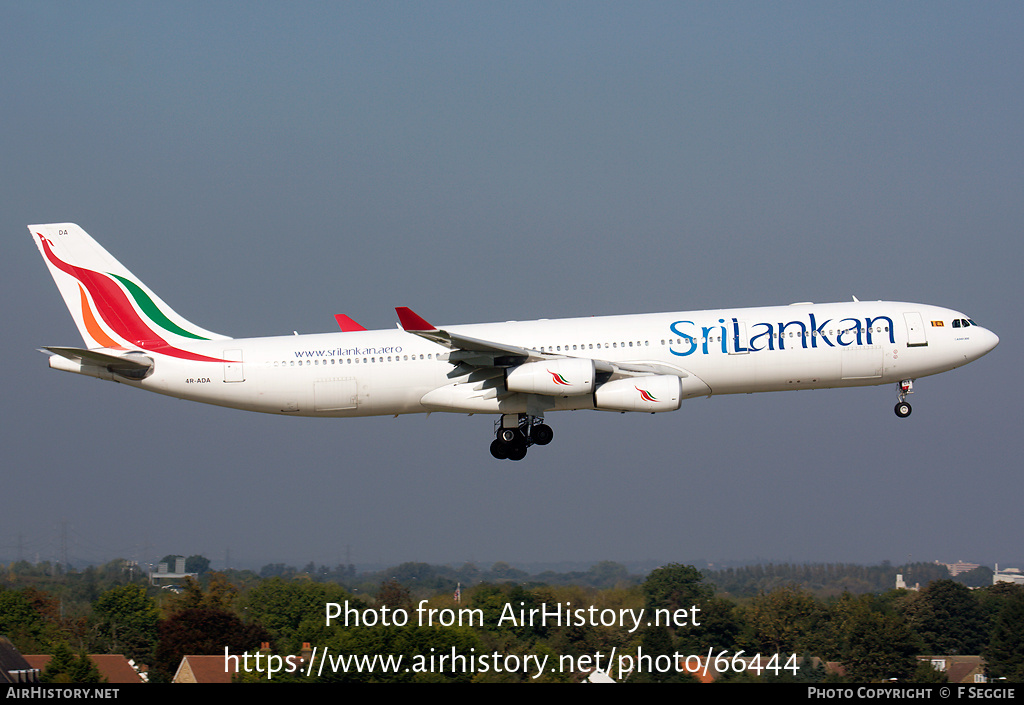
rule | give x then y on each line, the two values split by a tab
515	433
499	449
517	452
511	435
542	434
903	409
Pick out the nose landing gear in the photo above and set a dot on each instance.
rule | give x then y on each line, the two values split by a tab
904	388
514	433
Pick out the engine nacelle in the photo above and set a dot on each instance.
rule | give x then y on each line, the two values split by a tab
564	377
650	394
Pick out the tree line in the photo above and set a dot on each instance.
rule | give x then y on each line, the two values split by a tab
799	610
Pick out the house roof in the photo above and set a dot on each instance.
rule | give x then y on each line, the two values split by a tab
205	669
13	666
113	667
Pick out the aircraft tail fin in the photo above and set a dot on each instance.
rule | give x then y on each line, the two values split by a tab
112	308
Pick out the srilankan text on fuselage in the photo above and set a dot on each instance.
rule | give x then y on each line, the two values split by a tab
743	336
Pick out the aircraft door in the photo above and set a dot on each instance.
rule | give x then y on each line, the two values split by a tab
916	337
233	371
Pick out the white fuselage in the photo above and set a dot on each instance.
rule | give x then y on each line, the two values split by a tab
366	373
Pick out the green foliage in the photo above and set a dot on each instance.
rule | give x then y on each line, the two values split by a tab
674	587
277	570
877	645
292	611
25	618
1004	654
393	594
927	673
875	636
125	622
204	630
721	625
219	594
976	578
656	641
67	667
821	579
197	564
949	619
784	620
673	590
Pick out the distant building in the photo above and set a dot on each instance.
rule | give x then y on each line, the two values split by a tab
902	585
960	567
1010	575
163	573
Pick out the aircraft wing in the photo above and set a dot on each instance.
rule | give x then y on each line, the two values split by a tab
485	353
473	347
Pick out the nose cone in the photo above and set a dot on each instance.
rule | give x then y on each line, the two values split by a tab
983	341
990	341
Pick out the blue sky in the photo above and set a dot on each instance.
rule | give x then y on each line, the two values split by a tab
263	166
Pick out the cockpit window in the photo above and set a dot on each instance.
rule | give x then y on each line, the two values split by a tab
956	322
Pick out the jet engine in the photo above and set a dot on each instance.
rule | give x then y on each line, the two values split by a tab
651	393
564	377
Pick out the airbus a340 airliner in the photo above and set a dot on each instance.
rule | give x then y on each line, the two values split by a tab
519	370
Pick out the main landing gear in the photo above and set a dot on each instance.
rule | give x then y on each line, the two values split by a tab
904	388
514	433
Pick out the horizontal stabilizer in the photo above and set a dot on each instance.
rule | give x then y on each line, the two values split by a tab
133	365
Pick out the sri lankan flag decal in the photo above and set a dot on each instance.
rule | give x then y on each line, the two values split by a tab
558	379
645	395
